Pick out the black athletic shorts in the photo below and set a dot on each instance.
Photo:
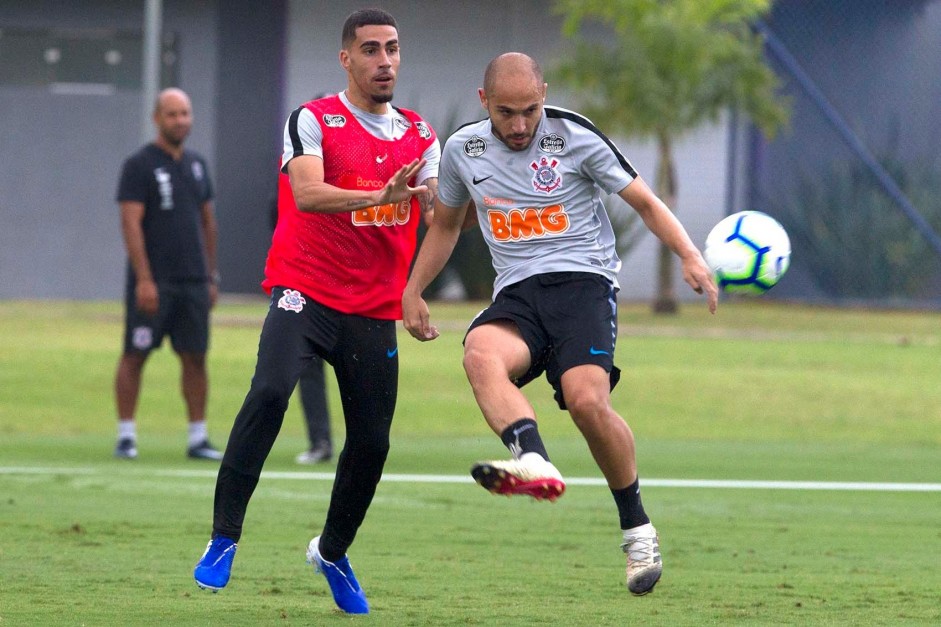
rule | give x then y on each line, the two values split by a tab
183	314
567	319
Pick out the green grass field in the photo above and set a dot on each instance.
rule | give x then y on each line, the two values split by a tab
760	392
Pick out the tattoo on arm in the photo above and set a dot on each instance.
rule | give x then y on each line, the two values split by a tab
358	204
427	200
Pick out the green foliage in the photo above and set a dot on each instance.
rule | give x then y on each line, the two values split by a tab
664	67
659	68
856	241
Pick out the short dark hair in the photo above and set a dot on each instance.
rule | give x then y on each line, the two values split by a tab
365	17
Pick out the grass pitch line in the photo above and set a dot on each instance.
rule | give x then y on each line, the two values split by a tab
728	484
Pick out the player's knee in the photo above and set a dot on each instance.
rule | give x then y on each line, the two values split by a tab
134	361
370	444
482	365
587	406
193	361
476	363
379	448
269	395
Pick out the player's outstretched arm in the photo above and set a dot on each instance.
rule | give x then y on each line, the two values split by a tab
313	194
664	224
435	251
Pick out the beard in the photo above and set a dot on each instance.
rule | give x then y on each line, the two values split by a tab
381	98
505	139
175	137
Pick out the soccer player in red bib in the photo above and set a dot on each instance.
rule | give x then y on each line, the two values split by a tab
362	173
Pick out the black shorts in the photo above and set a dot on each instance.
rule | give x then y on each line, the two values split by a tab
183	314
567	319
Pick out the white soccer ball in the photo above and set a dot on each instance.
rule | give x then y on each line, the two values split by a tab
748	252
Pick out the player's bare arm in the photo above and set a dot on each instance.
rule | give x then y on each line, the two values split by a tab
470	216
145	290
312	194
668	229
435	251
210	232
426	200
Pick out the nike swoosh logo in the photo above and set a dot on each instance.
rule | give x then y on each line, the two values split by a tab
381	159
595	351
391	352
517	432
478	181
223	554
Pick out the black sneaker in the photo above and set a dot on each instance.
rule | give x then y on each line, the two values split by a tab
320	452
204	450
126	448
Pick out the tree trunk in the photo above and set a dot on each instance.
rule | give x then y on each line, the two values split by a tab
665	187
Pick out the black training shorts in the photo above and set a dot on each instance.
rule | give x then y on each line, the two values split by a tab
183	314
567	319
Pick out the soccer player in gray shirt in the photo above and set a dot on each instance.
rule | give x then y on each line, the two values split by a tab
535	174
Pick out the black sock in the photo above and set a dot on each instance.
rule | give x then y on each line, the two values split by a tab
523	437
330	549
630	509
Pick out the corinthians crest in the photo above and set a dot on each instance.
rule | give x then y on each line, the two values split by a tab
292	301
546	178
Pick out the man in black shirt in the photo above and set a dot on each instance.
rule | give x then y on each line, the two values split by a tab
169	228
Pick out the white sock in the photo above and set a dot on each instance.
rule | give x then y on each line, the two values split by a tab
197	432
127	428
534	457
643	530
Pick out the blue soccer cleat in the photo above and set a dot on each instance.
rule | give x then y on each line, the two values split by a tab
347	593
214	567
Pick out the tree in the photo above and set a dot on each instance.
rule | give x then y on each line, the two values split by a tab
659	68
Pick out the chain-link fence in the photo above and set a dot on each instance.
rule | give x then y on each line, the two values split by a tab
856	178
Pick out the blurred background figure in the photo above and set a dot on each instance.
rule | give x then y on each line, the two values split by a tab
169	229
316	414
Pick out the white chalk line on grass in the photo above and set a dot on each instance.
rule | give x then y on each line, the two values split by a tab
732	484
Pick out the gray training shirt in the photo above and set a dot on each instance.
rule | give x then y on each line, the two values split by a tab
541	209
